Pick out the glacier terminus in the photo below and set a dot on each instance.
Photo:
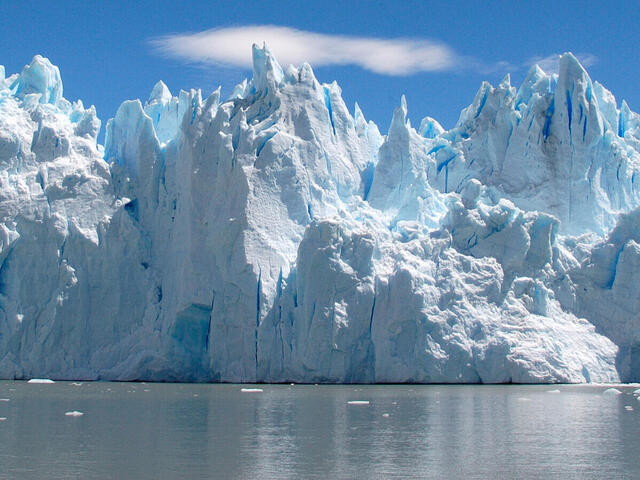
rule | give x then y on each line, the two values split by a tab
278	236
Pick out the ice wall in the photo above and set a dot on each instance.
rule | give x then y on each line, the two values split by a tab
275	236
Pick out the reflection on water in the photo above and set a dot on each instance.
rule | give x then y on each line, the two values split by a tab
217	431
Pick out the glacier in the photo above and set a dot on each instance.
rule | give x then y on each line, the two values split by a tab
277	236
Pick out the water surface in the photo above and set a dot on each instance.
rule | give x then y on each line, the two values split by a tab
137	430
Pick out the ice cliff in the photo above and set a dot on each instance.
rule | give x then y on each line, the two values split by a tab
276	236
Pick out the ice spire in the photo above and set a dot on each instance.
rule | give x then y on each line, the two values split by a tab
266	69
40	76
160	93
399	121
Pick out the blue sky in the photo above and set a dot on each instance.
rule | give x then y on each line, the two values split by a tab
437	53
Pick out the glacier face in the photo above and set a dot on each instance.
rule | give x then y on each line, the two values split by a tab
275	236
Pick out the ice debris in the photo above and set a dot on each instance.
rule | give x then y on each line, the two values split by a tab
612	391
74	413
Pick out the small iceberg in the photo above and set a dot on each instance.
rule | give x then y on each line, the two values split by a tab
4	399
76	384
41	380
74	413
251	390
358	402
612	391
628	408
2	419
553	391
385	415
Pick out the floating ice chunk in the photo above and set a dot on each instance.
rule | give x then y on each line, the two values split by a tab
636	392
524	399
553	391
74	413
612	391
358	402
251	390
628	408
76	384
385	415
4	399
41	380
2	419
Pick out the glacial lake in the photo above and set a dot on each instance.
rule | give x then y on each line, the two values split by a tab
156	431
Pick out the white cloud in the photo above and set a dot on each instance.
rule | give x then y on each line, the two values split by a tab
232	46
550	63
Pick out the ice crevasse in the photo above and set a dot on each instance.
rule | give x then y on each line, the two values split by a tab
278	236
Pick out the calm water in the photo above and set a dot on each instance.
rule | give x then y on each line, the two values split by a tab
216	431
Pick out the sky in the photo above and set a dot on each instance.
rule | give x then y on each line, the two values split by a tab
437	53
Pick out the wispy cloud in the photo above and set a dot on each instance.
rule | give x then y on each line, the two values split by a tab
232	47
550	63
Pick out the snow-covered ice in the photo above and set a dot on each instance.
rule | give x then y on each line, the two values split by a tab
278	236
41	380
251	390
74	413
358	402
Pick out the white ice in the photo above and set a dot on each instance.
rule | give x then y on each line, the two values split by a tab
612	391
278	236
